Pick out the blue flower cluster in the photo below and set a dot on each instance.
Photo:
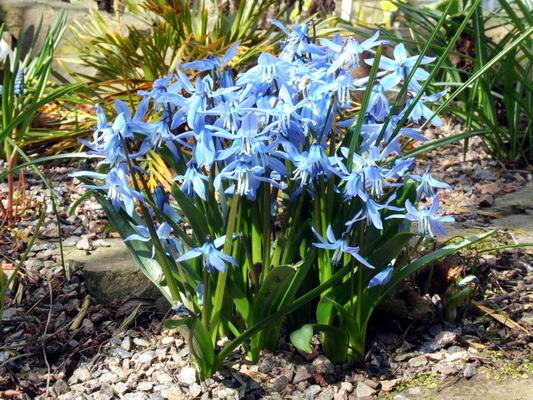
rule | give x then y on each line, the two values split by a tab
282	124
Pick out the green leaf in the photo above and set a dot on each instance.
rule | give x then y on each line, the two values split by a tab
301	338
194	216
176	323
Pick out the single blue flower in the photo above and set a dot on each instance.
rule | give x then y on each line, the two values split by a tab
428	185
295	44
213	259
421	111
429	223
117	185
163	205
339	246
381	278
164	234
268	69
401	67
371	211
247	175
193	181
309	164
213	62
348	55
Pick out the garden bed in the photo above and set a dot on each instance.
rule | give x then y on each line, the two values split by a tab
58	340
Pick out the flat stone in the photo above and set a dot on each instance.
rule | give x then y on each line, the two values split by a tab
469	370
147	357
312	391
364	391
445	338
187	376
516	202
195	390
145	386
301	374
110	272
71	241
418	361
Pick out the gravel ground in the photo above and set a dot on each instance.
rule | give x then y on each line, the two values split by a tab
56	342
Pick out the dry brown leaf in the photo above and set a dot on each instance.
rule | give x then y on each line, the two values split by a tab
500	317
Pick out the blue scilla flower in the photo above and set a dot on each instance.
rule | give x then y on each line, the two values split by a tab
381	278
347	56
371	211
422	112
193	182
309	164
163	205
212	62
268	69
400	67
117	186
378	104
108	140
247	140
229	111
427	219
295	44
428	185
164	234
339	246
161	86
247	175
213	259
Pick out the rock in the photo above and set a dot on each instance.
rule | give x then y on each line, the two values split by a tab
167	340
84	244
268	363
400	397
389	385
312	391
120	388
364	391
418	361
60	387
280	383
145	386
121	353
81	374
187	376
301	374
45	254
435	357
101	243
163	378
126	344
469	370
484	175
323	365
195	390
34	264
445	338
135	396
110	273
109	377
71	241
141	342
147	357
456	356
